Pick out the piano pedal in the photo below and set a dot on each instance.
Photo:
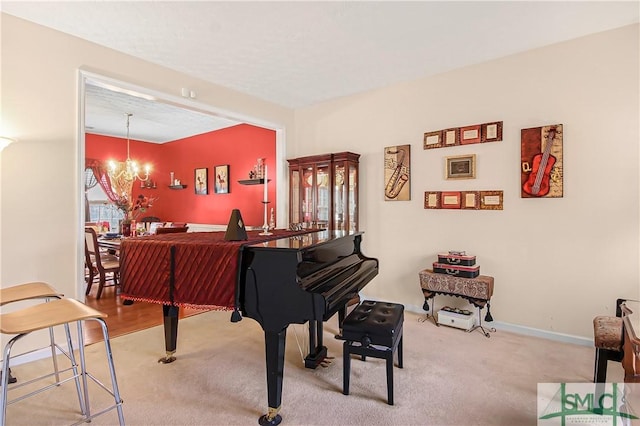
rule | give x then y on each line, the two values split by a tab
327	361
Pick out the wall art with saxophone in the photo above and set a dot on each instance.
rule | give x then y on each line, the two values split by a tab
541	169
397	173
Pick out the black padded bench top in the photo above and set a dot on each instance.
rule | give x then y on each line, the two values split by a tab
379	321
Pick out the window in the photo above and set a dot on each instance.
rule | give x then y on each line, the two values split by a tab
101	209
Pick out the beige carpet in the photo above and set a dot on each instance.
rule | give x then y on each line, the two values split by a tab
450	377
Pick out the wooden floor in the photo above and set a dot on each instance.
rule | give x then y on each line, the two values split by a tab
124	319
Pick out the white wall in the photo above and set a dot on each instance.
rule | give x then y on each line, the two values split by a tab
556	262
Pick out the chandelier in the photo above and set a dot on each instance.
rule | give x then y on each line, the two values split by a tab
128	170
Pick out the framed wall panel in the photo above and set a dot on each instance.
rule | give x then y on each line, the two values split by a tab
464	135
450	137
470	134
432	199
451	200
470	200
491	200
492	132
432	140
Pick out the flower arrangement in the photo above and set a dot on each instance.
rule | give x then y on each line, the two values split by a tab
132	210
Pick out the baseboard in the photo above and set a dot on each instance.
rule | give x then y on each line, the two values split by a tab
35	355
520	329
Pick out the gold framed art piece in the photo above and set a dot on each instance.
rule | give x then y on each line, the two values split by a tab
460	167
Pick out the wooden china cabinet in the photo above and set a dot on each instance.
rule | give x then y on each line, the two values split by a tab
323	190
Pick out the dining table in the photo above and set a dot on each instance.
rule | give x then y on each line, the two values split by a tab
111	244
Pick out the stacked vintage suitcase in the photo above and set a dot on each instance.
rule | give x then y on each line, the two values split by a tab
457	263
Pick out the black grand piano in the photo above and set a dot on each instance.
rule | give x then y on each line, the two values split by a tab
295	280
280	280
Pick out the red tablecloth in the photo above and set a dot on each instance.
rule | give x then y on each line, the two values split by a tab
206	267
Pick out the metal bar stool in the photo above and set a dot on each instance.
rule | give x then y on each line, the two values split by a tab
46	315
35	291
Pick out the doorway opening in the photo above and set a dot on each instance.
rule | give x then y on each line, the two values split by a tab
114	91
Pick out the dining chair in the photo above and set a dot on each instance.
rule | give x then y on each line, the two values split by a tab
99	263
171	230
148	220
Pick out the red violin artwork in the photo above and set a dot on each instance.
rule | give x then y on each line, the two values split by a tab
537	184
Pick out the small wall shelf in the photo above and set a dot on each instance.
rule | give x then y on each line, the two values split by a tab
177	186
253	181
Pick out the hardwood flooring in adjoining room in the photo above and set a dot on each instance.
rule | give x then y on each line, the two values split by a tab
123	319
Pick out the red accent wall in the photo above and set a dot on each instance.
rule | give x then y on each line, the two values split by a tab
238	146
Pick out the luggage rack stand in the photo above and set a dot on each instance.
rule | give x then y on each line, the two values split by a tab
477	291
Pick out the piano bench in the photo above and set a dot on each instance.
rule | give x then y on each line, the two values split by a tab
608	338
373	329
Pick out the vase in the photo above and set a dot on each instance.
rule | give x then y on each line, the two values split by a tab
125	228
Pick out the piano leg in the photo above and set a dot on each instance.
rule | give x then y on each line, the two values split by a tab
342	314
170	313
274	343
317	351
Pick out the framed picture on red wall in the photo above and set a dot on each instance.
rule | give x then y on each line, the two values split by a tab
200	182
222	179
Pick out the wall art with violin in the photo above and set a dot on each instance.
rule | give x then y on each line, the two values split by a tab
541	171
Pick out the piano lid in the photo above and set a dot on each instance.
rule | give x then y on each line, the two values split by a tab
299	242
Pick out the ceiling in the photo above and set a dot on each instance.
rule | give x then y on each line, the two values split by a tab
106	110
297	54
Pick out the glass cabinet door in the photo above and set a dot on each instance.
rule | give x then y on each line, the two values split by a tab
307	202
345	201
339	197
323	191
352	196
323	196
294	196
